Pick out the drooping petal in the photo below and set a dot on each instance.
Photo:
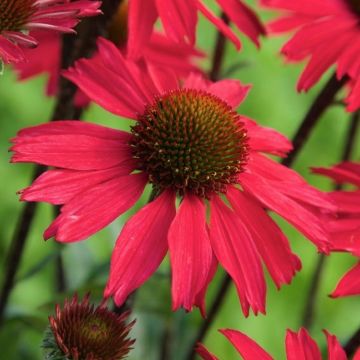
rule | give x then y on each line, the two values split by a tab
140	247
349	284
179	18
121	86
9	52
294	212
219	23
244	18
335	351
300	346
200	297
345	172
289	182
190	252
246	347
96	207
72	145
271	243
60	186
141	19
237	253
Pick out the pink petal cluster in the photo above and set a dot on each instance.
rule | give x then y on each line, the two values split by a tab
299	346
55	15
159	50
345	230
179	19
94	178
327	33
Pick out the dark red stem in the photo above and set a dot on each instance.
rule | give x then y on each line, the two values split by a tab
219	52
323	101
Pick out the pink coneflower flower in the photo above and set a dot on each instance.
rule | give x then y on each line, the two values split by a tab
80	330
179	20
190	144
17	17
160	51
319	23
345	230
298	346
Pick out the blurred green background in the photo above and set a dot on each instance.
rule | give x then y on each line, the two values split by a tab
274	102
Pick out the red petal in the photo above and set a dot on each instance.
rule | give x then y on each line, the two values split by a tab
237	253
60	186
265	139
190	252
95	208
72	145
244	18
141	247
270	241
349	283
246	347
291	210
336	352
300	346
142	16
204	353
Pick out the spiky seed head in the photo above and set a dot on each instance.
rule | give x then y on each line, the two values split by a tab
190	141
81	331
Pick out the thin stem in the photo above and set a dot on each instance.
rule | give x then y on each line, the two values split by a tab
308	316
165	350
74	47
321	103
309	310
219	52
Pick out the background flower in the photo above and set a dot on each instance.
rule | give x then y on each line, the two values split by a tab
318	24
17	17
298	346
179	20
345	229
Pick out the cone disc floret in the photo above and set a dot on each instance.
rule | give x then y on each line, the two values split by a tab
81	331
14	14
190	141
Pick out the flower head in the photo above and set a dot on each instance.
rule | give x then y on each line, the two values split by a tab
179	20
17	17
345	229
82	331
297	345
187	142
319	23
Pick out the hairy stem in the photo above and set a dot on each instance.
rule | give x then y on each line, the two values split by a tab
74	47
309	310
